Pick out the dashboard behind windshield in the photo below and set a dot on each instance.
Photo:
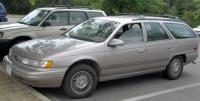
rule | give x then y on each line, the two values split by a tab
34	17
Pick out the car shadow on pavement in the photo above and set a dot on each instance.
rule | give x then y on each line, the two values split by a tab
107	89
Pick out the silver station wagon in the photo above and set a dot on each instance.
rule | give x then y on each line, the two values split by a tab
102	49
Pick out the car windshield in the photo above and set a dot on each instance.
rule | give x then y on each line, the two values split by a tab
93	30
34	17
1	7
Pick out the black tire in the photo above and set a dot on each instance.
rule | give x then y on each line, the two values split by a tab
72	81
174	69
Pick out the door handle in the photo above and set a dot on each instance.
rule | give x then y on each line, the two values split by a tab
169	47
63	29
141	51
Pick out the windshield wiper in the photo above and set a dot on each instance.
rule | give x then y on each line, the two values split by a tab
81	38
22	22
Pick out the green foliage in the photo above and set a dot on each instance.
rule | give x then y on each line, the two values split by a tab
133	6
18	6
187	10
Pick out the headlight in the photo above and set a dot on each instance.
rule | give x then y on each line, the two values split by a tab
36	63
1	34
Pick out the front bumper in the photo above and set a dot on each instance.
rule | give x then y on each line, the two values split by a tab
35	77
3	19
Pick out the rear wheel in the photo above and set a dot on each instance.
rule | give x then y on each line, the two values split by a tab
80	81
174	68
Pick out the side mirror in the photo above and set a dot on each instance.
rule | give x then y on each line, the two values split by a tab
45	24
116	42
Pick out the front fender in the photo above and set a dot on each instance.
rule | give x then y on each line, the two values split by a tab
19	34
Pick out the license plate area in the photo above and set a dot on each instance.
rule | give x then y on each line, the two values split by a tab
8	69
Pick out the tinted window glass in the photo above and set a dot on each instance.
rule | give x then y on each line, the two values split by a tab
155	32
77	17
180	31
1	7
58	19
131	33
94	14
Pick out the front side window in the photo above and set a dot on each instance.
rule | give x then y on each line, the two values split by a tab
93	30
155	32
35	17
131	33
180	31
77	18
57	19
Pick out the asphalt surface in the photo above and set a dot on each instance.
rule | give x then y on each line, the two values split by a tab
151	87
14	18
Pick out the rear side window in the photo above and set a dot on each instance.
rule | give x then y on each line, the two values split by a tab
180	31
94	14
155	32
77	17
58	19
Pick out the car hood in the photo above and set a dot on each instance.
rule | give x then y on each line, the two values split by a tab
12	26
43	48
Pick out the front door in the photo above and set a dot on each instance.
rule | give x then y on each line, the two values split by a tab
129	57
56	24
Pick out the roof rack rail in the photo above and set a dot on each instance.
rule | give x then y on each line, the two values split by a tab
142	16
62	6
121	14
81	7
73	7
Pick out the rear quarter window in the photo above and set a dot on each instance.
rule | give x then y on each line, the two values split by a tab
94	14
180	31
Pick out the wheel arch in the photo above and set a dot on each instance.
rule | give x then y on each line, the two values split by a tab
20	38
90	62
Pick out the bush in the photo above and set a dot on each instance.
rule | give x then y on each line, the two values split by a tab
17	6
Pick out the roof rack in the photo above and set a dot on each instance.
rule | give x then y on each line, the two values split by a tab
72	7
81	7
142	16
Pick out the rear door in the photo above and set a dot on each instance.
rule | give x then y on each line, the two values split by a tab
159	45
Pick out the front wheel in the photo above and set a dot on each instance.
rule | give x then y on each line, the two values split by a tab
80	81
174	68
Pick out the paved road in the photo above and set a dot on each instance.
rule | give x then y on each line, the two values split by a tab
151	87
13	18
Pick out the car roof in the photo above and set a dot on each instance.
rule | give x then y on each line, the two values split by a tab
130	18
67	9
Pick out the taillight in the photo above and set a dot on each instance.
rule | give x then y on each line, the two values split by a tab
195	49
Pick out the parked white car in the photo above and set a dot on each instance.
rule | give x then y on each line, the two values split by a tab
197	30
43	22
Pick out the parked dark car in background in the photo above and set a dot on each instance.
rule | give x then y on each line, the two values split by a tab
3	13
